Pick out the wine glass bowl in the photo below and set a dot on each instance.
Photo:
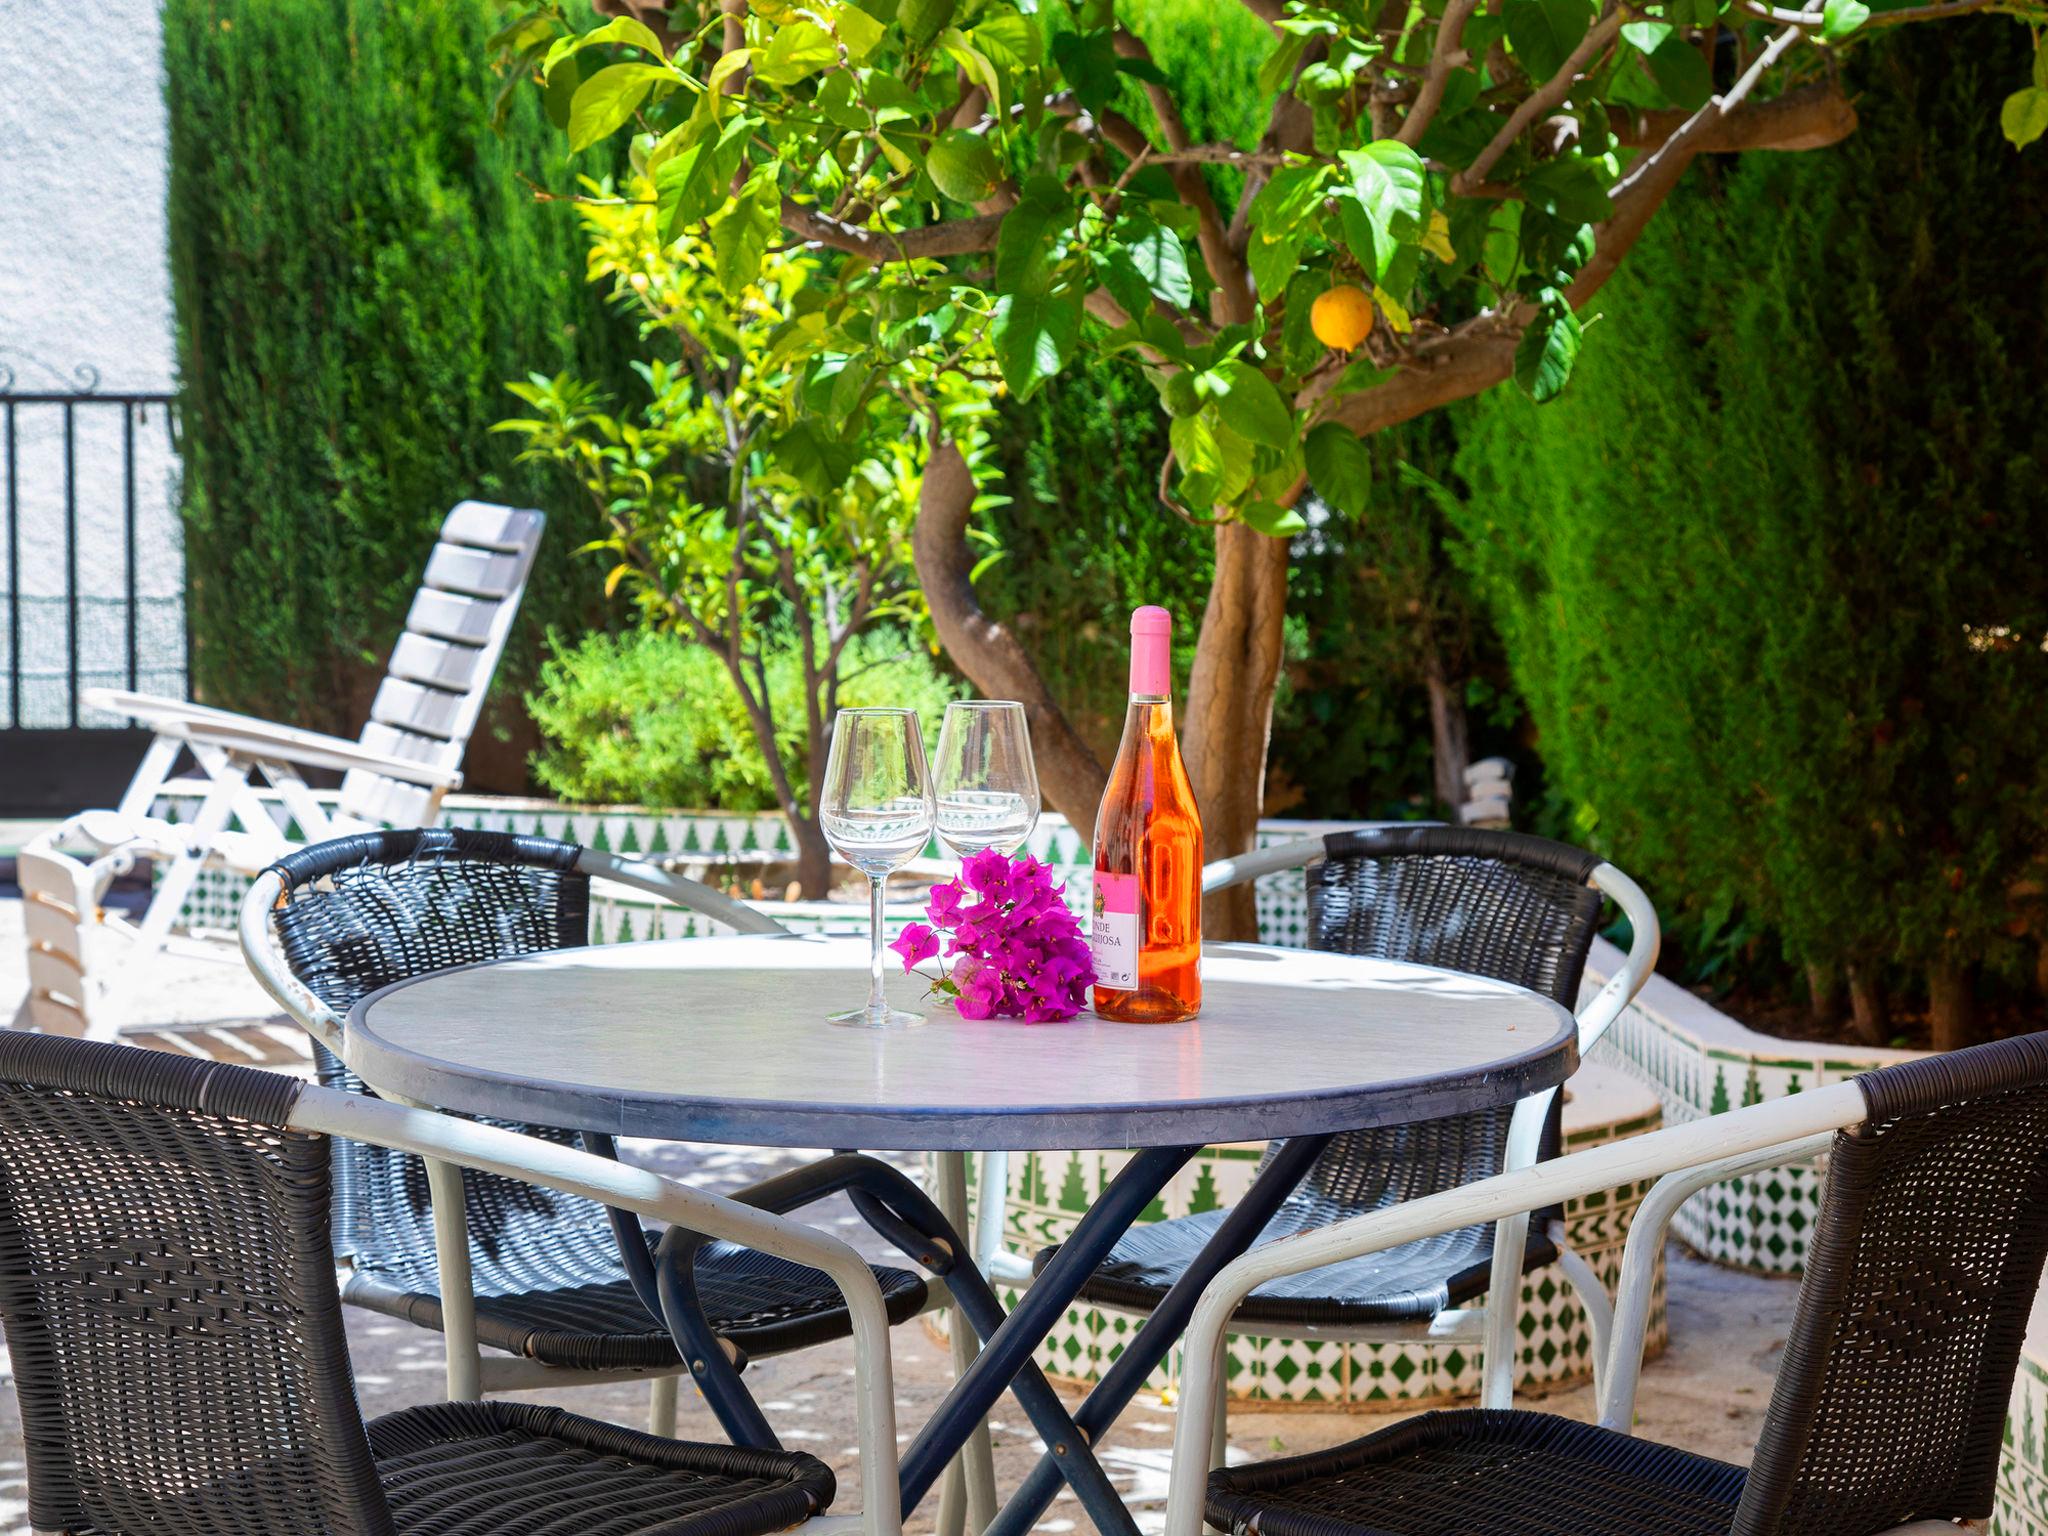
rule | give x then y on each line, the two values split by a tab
985	783
876	811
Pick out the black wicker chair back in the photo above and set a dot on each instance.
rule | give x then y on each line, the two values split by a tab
1891	1399
1495	904
363	912
169	1298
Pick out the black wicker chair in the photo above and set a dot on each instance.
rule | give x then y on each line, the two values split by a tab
169	1298
1496	904
550	1289
1890	1401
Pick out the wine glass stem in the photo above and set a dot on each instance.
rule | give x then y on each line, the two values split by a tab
878	1002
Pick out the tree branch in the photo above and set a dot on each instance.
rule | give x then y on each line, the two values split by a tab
1544	98
1810	117
955	237
1233	296
1810	20
1481	353
987	651
1450	36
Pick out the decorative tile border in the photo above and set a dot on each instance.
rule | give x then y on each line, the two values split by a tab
1049	1192
1700	1062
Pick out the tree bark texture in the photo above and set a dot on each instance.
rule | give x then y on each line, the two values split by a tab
1070	776
1230	708
1869	1016
1450	735
1952	1006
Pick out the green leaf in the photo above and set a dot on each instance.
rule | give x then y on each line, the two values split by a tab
1288	201
858	30
1278	71
620	29
1147	258
1569	190
798	50
1544	32
608	98
1339	467
1249	404
923	20
1680	70
1299	348
1270	518
741	235
1034	335
2024	117
1392	191
1024	243
1272	262
560	95
1841	17
1215	462
962	166
2041	65
1548	349
1088	61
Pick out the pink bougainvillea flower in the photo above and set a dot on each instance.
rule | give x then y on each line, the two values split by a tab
943	905
915	943
1016	949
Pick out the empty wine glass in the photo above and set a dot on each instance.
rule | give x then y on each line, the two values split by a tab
876	811
986	784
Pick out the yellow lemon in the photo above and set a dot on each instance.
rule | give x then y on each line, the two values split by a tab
1341	317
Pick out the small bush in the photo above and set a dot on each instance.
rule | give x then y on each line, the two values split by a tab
647	719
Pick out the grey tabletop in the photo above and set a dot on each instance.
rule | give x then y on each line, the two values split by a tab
725	1039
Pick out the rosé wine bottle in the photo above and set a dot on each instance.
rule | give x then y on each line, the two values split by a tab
1147	935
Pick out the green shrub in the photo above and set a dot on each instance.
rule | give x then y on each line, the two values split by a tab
1781	623
358	267
649	719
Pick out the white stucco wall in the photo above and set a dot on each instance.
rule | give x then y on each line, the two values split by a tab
85	292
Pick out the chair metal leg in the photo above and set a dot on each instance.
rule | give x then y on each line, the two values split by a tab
976	1462
1219	1431
458	1304
1599	1306
1503	1311
661	1406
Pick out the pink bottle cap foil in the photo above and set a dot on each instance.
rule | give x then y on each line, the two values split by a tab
1152	652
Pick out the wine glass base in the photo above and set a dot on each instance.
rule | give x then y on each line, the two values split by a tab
875	1018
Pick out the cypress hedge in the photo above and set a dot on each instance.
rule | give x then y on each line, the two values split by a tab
358	265
1770	573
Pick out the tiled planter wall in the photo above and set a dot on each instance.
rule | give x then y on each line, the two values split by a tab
1700	1062
1050	1191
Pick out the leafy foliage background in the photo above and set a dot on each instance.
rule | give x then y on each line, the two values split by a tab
1770	573
358	267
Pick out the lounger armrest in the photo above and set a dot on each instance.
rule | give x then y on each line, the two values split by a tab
1224	873
207	726
692	895
1776	1123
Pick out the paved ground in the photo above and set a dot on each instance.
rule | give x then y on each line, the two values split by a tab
1708	1392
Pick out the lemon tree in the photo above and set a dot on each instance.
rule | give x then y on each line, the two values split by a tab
1020	177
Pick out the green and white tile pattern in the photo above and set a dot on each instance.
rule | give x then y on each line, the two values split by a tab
1050	1191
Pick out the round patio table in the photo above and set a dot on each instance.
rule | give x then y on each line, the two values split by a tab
726	1039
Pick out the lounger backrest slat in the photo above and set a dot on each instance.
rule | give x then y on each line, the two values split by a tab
441	668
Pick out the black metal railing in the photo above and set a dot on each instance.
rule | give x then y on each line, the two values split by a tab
46	429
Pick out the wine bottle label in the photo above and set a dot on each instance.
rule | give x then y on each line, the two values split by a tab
1114	939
